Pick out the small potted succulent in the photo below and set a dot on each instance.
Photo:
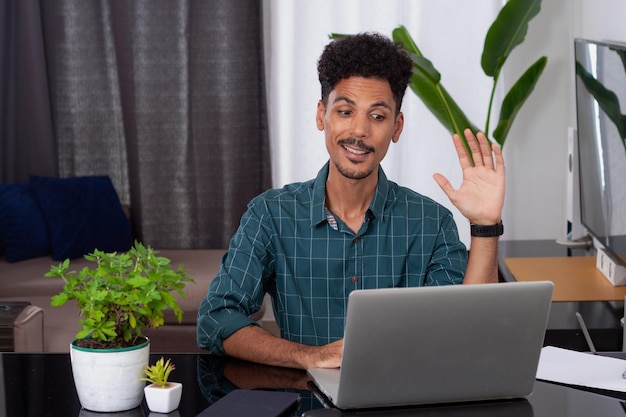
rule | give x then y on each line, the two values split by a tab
162	396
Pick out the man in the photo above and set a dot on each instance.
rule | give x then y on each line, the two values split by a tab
310	244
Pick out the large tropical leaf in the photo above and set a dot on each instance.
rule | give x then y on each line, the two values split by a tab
426	84
400	34
336	35
441	104
506	32
516	97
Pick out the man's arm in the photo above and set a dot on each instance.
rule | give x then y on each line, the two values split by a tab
480	199
482	265
254	344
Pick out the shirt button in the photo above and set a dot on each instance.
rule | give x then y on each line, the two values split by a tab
354	279
356	239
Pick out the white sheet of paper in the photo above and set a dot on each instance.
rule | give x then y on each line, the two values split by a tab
583	369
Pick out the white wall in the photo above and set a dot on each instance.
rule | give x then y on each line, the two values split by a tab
603	20
537	145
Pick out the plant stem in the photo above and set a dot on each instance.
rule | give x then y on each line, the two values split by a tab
493	92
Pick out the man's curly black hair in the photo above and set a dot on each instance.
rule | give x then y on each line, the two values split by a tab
368	55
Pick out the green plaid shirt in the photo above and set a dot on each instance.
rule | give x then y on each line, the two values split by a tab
289	245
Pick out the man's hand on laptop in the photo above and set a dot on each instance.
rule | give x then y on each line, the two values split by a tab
329	355
255	344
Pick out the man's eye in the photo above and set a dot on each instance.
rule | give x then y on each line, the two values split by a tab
344	112
378	117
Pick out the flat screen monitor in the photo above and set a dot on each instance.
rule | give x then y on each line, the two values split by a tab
601	127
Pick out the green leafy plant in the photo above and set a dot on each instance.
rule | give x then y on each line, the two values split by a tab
158	373
506	32
124	293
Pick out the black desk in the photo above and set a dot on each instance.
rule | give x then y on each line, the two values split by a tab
601	317
36	385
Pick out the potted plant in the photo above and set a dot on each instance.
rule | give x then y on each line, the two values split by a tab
122	294
505	33
162	396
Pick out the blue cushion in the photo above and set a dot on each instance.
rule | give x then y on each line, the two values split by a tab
82	214
23	230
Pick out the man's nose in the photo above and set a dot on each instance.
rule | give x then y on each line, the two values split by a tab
360	125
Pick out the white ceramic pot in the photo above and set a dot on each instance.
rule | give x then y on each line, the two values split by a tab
163	400
109	380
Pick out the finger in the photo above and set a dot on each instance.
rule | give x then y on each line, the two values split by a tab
472	142
444	184
497	152
461	152
485	149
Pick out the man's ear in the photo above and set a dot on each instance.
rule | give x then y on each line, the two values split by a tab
319	116
398	128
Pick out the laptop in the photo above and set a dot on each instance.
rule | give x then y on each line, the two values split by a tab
427	345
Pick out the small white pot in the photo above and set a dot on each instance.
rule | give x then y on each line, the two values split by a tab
108	380
163	400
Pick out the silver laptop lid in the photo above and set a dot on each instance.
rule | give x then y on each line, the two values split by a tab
406	346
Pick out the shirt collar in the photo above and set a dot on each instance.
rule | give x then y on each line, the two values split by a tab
318	213
377	206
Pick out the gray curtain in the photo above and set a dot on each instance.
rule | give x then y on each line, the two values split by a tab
26	132
168	99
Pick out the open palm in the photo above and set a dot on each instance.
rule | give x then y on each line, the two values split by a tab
480	197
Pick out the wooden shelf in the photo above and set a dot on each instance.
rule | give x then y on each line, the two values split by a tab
575	278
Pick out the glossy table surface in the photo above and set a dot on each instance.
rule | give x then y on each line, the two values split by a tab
35	385
42	385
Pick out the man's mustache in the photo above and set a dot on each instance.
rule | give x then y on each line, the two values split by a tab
356	143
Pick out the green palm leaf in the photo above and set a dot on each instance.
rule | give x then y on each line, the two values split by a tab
426	84
516	97
506	32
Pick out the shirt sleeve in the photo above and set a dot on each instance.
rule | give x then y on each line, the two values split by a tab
237	290
449	259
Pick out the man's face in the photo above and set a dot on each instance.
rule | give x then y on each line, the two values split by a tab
359	122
